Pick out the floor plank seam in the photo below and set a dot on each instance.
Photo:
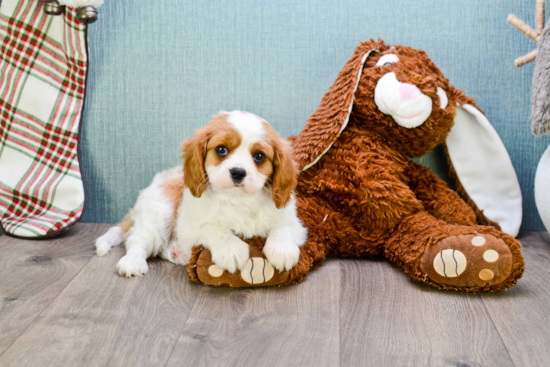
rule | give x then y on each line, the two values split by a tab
496	328
183	327
45	308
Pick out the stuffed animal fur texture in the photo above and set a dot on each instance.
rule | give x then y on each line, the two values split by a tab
360	196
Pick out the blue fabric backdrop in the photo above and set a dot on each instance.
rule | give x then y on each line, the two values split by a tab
160	69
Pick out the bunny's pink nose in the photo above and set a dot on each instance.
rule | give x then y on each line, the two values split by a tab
409	91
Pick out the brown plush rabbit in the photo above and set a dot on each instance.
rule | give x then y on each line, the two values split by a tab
360	195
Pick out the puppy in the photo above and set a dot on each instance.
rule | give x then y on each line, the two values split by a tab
237	182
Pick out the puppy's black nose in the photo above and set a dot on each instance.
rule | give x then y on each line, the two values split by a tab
237	174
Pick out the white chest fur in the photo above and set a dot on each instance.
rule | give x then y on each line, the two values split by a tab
244	214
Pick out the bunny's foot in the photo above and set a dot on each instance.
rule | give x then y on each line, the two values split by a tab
468	260
258	272
462	258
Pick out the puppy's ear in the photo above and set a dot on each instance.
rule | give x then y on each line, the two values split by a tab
483	169
194	153
285	173
331	118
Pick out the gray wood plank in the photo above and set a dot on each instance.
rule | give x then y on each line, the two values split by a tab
386	319
34	272
60	305
286	326
103	319
522	314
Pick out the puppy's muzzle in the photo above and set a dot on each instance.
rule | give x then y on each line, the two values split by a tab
237	175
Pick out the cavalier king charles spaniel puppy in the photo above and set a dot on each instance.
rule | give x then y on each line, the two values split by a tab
237	181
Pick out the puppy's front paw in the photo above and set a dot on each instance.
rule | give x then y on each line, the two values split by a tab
132	265
231	256
281	253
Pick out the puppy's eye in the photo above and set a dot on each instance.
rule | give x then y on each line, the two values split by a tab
387	60
259	157
221	151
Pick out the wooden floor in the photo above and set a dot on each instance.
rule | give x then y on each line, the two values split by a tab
62	306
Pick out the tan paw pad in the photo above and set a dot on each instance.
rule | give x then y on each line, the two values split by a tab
486	274
468	260
450	263
215	271
257	270
478	241
490	256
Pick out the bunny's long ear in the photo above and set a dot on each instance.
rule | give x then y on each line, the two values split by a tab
484	168
331	118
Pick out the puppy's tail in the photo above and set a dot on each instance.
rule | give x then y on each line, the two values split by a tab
114	236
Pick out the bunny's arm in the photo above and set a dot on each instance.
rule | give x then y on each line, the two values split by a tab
367	183
438	199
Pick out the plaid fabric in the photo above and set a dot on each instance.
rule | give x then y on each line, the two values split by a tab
43	63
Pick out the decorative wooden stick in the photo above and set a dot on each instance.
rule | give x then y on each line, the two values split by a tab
522	27
534	34
540	16
525	59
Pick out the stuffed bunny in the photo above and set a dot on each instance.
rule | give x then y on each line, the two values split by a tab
360	196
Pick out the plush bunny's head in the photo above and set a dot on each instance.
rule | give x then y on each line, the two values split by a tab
413	104
399	94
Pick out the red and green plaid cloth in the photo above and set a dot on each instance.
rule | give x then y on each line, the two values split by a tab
43	64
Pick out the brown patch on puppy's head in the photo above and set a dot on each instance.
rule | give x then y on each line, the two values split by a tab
200	151
266	148
223	134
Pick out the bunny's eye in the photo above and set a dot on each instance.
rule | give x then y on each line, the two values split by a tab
443	100
387	60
